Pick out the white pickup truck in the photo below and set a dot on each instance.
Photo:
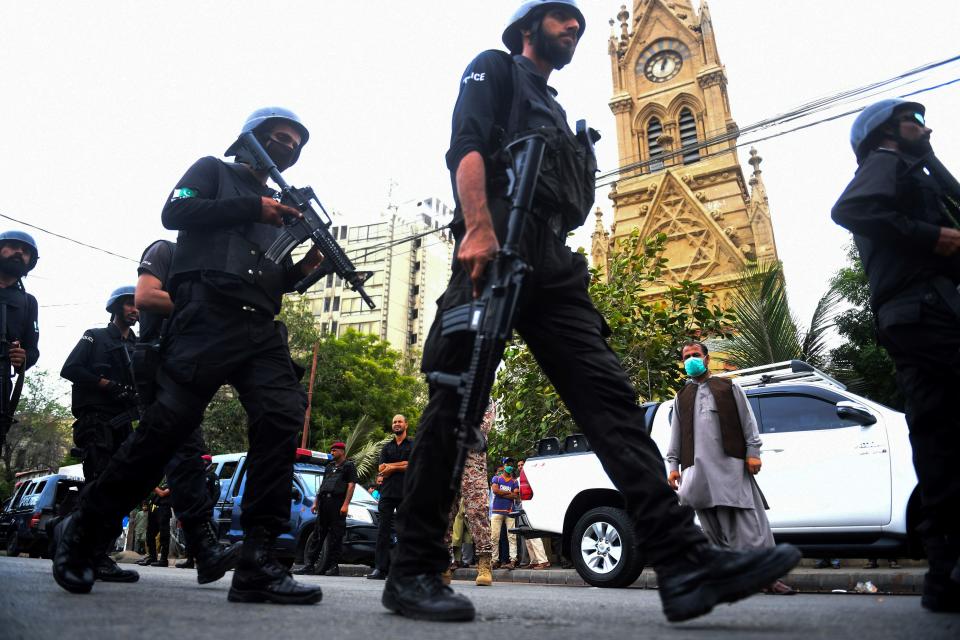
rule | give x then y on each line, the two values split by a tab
837	473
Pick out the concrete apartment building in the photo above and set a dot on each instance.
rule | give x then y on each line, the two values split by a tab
407	279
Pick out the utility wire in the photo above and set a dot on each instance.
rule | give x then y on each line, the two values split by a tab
62	237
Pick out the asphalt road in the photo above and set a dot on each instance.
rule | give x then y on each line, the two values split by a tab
168	603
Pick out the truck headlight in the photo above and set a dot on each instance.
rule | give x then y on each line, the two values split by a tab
360	514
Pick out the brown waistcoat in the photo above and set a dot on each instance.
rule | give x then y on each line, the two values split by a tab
731	432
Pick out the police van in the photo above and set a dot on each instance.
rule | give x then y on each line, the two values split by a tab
360	539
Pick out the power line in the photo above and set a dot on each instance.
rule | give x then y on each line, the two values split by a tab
63	237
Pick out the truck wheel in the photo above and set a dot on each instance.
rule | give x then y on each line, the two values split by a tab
13	545
604	548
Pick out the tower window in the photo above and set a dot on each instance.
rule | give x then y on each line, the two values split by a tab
688	137
654	131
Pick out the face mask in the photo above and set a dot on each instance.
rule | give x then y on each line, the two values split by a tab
694	367
281	154
14	266
508	470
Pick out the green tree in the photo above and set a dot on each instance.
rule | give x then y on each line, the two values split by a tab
862	364
645	335
42	435
766	331
357	375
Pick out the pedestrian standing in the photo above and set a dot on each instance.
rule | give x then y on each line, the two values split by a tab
391	474
715	440
331	506
506	490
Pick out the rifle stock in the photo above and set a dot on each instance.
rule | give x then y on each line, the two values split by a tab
310	227
490	317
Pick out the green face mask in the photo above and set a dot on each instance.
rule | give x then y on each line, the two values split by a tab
694	367
508	470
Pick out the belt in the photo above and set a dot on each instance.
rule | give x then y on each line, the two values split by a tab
196	291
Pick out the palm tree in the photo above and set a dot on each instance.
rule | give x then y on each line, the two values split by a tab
364	451
766	330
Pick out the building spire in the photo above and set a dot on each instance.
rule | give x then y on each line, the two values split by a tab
600	245
710	51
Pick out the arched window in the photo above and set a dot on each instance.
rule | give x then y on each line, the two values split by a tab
654	131
688	137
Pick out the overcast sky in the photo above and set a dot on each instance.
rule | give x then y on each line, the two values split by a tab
105	105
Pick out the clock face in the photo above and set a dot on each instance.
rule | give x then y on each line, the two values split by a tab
662	66
662	60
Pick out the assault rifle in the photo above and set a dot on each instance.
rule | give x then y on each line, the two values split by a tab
9	396
310	227
490	317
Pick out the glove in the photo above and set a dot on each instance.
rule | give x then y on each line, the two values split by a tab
120	392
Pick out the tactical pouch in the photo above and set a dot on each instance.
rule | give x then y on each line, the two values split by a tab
146	363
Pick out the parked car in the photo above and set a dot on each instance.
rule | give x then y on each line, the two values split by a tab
360	539
35	500
837	473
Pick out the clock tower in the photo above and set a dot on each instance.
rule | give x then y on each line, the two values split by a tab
679	170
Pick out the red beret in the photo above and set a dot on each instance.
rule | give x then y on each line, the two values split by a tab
338	445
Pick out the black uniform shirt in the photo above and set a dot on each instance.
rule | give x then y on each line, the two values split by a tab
22	321
101	353
337	477
156	261
392	486
194	204
894	209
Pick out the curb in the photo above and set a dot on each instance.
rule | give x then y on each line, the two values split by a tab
903	581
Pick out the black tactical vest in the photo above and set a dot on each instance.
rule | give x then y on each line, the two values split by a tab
567	173
237	250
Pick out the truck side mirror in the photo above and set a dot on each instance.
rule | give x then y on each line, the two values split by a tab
856	413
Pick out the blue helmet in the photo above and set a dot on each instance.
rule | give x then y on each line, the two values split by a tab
528	10
25	238
261	117
118	293
873	117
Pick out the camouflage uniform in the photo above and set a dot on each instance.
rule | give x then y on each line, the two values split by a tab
474	488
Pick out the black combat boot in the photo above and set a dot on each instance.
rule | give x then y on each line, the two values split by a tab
693	583
212	558
260	578
107	570
941	593
162	561
73	559
305	570
426	597
187	563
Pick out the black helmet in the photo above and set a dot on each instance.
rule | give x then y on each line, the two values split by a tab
25	238
521	18
261	117
875	116
118	293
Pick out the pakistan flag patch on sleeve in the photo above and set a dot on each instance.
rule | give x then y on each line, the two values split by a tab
183	192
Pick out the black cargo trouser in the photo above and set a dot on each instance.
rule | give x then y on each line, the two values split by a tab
387	510
211	342
566	334
330	525
98	439
158	523
926	352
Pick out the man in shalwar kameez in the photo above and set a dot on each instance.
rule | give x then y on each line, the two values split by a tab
716	443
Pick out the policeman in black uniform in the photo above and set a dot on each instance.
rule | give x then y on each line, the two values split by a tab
226	296
331	506
104	401
500	97
186	471
903	208
158	527
18	310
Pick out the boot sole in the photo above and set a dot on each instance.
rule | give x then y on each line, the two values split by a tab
239	595
207	575
710	593
130	578
72	587
390	602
